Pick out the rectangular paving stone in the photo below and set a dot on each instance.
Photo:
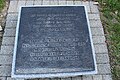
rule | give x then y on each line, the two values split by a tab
9	32
104	69
95	23
6	49
37	2
5	59
11	24
53	2
100	48
87	77
20	3
86	3
107	77
12	17
102	58
45	2
5	70
29	3
97	77
2	78
13	6
94	16
62	2
97	31
77	2
8	41
98	39
9	78
77	78
69	78
69	2
93	8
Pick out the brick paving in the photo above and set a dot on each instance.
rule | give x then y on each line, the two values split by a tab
104	72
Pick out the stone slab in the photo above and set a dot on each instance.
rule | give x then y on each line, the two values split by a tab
53	41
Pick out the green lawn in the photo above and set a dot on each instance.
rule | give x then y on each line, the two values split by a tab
110	16
2	3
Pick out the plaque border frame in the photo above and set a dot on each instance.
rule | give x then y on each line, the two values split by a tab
53	75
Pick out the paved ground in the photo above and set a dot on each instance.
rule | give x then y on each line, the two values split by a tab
101	51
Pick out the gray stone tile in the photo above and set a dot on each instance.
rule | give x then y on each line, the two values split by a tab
29	3
95	23
70	2
87	77
77	78
100	48
45	2
2	78
11	24
20	3
13	6
53	2
107	77
69	78
97	77
98	39
62	2
97	31
102	58
6	50
37	2
86	3
94	16
9	32
5	59
5	70
93	8
8	41
77	2
104	69
12	17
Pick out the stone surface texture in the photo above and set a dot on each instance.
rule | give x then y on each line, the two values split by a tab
6	52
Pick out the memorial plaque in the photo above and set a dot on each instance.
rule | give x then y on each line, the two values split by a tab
53	41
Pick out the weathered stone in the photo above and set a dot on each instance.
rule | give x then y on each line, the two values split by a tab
97	31
6	50
76	2
70	2
97	77
2	78
45	2
104	68
9	32
87	77
5	70
29	3
77	78
13	6
102	58
100	48
53	2
12	17
62	2
86	3
5	59
94	16
98	39
8	41
95	23
11	24
37	2
94	8
107	77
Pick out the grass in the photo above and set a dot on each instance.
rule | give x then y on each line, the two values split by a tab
2	4
110	16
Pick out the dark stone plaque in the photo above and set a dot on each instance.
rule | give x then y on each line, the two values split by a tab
53	41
